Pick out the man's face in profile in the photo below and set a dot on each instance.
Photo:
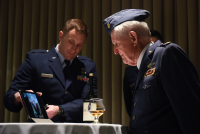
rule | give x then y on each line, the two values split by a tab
124	46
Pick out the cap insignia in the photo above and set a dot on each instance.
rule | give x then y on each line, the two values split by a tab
108	25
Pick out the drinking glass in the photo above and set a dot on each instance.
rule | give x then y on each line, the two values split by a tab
96	108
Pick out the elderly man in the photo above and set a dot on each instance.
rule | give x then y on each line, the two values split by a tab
163	81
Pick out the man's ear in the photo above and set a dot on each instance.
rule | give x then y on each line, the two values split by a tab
60	35
133	37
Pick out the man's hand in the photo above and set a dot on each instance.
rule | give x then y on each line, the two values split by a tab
18	99
52	111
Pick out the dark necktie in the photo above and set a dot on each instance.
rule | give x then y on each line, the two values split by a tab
66	68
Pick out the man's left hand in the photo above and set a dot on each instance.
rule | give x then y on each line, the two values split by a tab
52	111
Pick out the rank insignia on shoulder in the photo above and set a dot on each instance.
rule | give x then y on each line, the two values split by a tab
149	72
151	65
167	43
39	51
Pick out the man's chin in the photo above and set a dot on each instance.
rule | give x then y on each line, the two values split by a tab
70	58
129	63
125	62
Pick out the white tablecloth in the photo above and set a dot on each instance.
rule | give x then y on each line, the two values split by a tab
62	128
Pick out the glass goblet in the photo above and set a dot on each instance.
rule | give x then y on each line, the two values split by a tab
96	108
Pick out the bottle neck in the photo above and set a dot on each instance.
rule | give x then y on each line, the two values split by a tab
90	93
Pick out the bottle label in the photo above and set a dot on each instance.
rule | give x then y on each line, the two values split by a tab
87	116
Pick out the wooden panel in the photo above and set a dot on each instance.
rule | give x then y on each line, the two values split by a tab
115	75
87	18
106	57
157	15
52	24
43	24
35	24
97	43
17	53
182	24
169	20
3	54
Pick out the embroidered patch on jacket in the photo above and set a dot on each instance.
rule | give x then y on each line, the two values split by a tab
149	72
82	78
151	65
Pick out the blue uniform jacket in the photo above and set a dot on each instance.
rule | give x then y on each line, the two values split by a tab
166	93
42	72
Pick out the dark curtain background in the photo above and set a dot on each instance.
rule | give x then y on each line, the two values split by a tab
35	24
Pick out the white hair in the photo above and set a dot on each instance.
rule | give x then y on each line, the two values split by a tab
141	29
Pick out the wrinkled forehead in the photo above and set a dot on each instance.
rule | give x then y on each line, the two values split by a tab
113	36
116	39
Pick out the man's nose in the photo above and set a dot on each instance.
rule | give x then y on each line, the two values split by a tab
74	47
116	51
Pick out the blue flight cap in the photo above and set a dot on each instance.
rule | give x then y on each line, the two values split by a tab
124	15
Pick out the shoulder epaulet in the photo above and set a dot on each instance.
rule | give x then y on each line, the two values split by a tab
39	51
165	44
83	57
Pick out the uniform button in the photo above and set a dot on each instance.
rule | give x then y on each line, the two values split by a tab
66	92
135	104
133	117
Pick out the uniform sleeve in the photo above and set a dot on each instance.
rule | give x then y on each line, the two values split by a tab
74	109
21	81
181	84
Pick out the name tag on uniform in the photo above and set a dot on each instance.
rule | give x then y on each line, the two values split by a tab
47	75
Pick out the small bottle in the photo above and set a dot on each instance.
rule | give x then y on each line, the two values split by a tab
90	93
87	116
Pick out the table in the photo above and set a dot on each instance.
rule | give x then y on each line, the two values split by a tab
62	128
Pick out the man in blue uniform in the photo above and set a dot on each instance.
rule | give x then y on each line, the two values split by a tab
163	81
155	35
60	74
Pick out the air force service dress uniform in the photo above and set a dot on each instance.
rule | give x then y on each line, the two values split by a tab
42	72
166	90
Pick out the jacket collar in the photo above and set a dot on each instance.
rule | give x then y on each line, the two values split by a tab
146	60
55	65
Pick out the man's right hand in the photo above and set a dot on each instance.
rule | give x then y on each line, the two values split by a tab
18	99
